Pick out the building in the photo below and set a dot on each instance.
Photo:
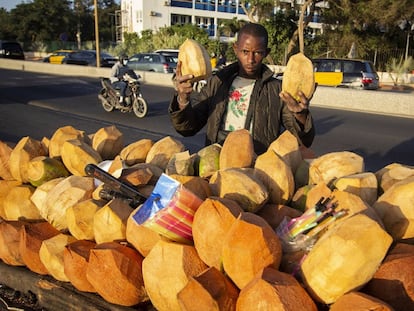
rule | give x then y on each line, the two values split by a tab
139	15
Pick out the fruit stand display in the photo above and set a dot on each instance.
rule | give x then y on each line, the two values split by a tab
287	229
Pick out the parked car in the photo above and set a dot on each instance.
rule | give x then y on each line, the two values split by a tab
88	58
11	49
153	62
57	56
169	52
339	72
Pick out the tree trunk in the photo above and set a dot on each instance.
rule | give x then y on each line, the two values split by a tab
298	34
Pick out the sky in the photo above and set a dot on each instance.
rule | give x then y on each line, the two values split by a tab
10	4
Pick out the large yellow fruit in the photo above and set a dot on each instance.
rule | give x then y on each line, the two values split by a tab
299	76
194	60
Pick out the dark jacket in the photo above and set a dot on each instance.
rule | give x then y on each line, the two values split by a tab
268	114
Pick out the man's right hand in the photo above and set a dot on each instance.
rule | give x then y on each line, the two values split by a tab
183	86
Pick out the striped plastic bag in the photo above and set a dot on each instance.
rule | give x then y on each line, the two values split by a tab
169	210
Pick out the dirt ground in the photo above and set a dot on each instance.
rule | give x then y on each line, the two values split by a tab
11	299
407	88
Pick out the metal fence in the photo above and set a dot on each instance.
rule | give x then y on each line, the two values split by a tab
381	58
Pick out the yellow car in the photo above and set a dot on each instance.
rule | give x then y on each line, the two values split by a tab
57	56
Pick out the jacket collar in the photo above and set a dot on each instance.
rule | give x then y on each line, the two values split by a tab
228	73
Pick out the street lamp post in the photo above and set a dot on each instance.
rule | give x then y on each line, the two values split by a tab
98	51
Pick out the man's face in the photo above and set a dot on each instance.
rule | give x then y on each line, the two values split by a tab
250	52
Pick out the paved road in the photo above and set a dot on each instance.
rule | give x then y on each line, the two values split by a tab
37	104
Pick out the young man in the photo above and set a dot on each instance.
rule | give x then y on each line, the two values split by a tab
244	94
117	76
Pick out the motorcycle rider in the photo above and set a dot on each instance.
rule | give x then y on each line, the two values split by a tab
117	76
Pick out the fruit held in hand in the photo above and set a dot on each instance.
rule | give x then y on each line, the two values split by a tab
299	76
194	60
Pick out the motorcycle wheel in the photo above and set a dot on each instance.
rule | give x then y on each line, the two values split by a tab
140	107
106	104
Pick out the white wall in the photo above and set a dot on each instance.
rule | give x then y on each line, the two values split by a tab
139	15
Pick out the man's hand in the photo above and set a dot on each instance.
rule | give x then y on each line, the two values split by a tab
298	108
183	86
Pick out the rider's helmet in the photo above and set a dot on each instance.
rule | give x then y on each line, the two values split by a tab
123	58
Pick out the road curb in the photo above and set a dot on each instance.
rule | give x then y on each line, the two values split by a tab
368	101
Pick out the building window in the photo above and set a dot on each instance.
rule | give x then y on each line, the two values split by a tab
139	16
180	19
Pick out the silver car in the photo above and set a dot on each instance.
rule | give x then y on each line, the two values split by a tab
154	62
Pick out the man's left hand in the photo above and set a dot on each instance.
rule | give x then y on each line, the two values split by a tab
299	107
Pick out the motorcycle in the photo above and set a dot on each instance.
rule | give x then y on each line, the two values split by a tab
133	101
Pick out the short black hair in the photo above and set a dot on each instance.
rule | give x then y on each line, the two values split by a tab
254	29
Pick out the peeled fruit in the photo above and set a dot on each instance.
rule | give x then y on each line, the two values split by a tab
209	160
240	185
43	168
345	258
231	155
299	76
194	60
331	166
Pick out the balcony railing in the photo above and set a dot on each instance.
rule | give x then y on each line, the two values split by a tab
225	6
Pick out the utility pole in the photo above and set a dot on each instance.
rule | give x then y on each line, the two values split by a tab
410	29
98	51
78	32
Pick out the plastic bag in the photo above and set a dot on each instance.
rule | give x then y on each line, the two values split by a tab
290	243
169	210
